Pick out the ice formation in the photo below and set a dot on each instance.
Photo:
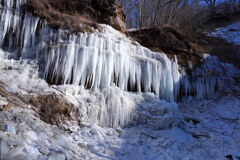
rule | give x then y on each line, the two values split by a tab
104	60
94	60
110	107
211	76
25	136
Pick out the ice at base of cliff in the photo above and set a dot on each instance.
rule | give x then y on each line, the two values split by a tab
109	107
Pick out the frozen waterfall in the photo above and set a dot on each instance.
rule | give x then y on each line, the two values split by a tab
97	60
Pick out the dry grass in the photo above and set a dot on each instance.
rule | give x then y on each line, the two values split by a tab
171	41
187	47
66	14
52	108
226	51
221	20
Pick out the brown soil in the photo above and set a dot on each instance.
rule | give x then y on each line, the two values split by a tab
12	99
78	15
65	14
4	93
171	41
52	108
186	47
227	52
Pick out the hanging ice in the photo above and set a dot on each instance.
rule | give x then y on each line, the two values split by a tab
95	60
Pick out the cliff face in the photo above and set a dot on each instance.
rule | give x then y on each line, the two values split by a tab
109	12
79	15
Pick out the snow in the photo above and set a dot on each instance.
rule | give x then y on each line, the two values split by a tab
21	76
139	142
230	33
25	136
219	120
3	101
110	107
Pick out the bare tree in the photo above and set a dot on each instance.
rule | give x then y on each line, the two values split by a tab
179	13
211	4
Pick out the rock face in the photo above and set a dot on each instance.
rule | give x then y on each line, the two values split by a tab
111	13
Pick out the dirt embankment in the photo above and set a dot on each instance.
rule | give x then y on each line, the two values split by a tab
50	108
84	15
189	47
170	41
79	15
226	51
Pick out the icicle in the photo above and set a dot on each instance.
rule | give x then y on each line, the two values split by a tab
98	60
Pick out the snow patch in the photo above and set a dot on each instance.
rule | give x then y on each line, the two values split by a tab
230	33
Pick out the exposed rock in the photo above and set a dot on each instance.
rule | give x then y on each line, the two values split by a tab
110	13
52	108
188	118
226	51
83	145
10	100
148	134
6	107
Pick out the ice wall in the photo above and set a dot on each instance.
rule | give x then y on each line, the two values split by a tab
211	76
97	60
112	107
94	60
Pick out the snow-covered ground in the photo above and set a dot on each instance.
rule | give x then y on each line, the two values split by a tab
25	136
207	129
230	33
